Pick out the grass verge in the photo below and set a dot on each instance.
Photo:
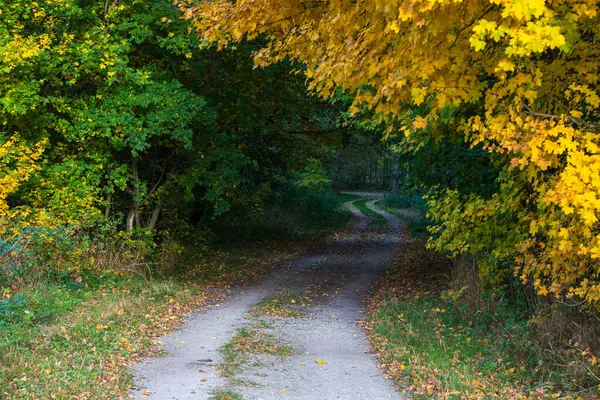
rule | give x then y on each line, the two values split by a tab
434	346
345	197
415	222
76	340
83	349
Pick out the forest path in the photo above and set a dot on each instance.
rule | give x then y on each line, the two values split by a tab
303	323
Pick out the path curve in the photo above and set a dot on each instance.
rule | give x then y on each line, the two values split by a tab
336	279
395	224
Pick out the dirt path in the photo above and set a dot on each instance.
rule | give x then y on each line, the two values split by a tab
327	356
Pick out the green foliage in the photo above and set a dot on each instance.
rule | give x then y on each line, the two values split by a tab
42	252
313	176
98	90
117	118
407	198
288	212
430	160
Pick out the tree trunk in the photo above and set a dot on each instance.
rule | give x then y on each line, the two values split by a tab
108	205
155	213
395	176
130	219
134	211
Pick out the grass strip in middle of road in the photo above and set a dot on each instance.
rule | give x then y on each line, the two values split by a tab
249	341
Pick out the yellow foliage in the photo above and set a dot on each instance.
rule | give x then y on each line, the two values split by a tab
532	64
18	161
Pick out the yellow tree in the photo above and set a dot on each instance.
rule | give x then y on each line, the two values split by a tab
18	161
529	66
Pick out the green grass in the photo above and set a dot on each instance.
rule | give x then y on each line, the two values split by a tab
413	219
474	342
362	207
281	304
345	197
74	343
377	219
222	394
429	345
443	355
245	342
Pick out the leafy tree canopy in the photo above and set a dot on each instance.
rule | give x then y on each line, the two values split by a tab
517	78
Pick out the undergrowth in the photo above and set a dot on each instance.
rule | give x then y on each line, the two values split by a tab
292	213
441	333
410	208
72	333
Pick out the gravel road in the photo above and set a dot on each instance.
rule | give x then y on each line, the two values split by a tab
336	279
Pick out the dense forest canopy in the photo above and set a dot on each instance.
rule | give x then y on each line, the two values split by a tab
135	116
515	78
158	156
115	118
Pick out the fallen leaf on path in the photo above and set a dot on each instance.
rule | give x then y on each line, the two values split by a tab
321	362
282	390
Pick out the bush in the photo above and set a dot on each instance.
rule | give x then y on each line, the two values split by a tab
406	199
290	212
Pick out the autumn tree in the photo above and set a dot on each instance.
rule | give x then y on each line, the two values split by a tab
527	71
114	119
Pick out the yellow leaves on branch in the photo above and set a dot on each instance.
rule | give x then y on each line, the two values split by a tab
19	49
531	64
18	161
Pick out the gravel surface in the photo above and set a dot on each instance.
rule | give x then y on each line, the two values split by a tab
334	280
